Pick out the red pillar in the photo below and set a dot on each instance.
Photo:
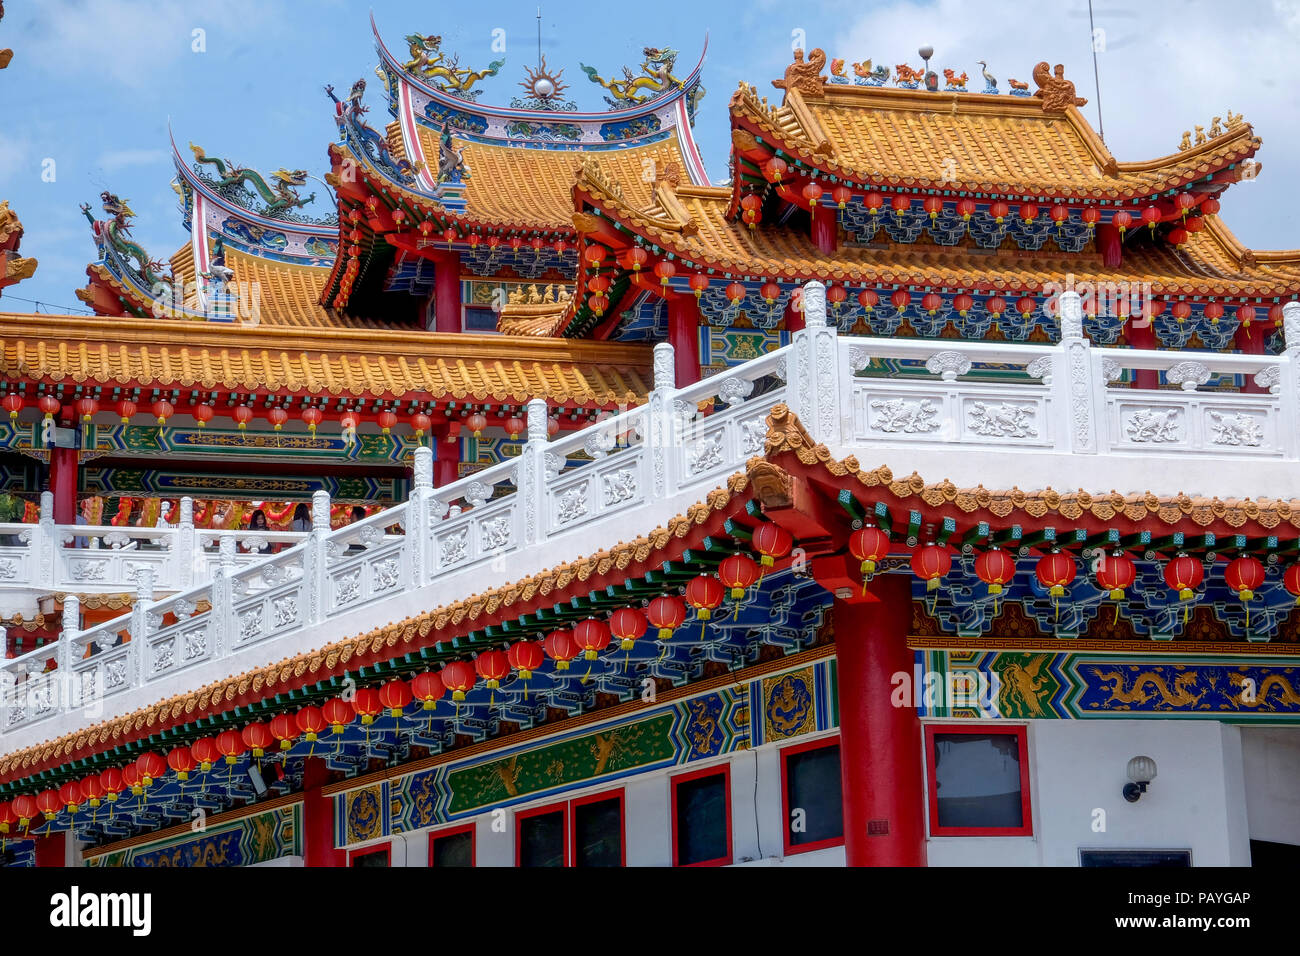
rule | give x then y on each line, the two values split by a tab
318	818
52	850
1142	335
446	292
1250	340
63	484
446	460
823	229
684	336
1110	245
880	745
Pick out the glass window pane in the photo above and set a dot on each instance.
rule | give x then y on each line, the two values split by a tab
977	779
456	849
378	858
541	840
598	833
702	819
813	786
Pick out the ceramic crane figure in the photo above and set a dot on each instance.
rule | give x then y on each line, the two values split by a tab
989	78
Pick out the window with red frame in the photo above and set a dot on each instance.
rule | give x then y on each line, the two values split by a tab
584	832
701	815
810	792
371	856
452	847
978	781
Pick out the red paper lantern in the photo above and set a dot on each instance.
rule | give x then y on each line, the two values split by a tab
735	291
1121	221
873	201
1181	311
338	713
868	299
900	205
13	405
774	169
242	414
1025	305
930	563
1210	207
999	210
312	416
841	194
1245	314
514	426
1178	235
593	254
561	648
395	695
592	637
1194	224
995	568
698	283
901	299
203	414
1213	311
1291	581
1116	574
525	657
493	666
933	205
1183	574
1059	214
637	257
427	687
420	423
278	416
205	752
151	766
1028	212
665	270
26	808
836	294
598	283
310	721
770	292
230	744
49	803
1244	575
966	208
1090	215
1151	216
476	423
284	729
70	795
257	737
181	759
49	405
738	572
667	614
704	593
7	817
627	624
995	305
366	704
86	408
459	678
932	302
598	304
163	411
110	780
771	541
870	546
751	201
962	303
1055	571
812	192
91	788
385	419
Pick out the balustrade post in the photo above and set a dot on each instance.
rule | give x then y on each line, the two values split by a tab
1078	385
1289	380
813	376
418	541
223	597
315	576
185	546
530	479
141	618
70	628
661	418
45	538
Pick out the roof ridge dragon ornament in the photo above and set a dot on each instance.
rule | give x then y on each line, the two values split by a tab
655	80
446	74
115	233
1056	92
280	194
348	114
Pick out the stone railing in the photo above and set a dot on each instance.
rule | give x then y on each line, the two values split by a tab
1000	415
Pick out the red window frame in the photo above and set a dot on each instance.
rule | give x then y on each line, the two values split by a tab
722	770
385	848
1020	732
568	810
601	797
562	808
786	753
470	828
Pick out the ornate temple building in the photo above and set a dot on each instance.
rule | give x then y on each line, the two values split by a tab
507	492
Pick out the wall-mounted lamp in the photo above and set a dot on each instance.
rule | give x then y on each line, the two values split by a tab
1141	771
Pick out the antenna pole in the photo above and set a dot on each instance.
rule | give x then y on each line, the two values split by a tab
539	38
1096	76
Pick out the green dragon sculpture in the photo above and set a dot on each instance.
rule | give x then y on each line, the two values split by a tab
428	60
115	232
280	195
657	78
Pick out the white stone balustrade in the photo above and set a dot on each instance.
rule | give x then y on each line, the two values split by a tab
1000	415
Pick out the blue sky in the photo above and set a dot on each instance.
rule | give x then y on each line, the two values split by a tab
93	84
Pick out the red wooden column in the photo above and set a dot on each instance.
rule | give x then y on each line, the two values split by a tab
52	850
1250	339
318	818
824	228
1142	335
63	484
446	459
446	292
880	744
684	336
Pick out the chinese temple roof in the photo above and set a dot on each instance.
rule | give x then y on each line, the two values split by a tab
318	361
